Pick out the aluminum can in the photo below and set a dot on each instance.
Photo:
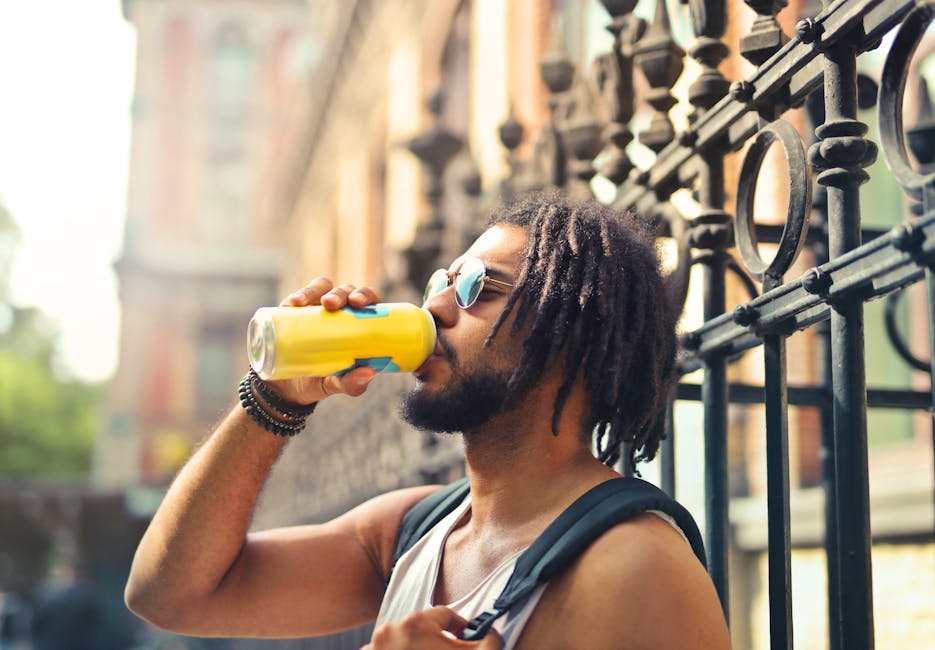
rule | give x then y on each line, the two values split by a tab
289	342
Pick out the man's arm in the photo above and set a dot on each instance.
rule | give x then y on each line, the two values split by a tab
638	587
197	571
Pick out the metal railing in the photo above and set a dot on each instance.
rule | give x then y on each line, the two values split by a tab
816	65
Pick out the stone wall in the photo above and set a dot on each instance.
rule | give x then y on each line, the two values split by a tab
354	449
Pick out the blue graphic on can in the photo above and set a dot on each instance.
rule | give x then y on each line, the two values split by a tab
379	364
370	311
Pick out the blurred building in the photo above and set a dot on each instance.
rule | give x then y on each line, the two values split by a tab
365	140
214	81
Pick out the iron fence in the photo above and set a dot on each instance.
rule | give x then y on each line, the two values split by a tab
816	66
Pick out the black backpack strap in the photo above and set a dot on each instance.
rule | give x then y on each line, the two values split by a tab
424	515
566	538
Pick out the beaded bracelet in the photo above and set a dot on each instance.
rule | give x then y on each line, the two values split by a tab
278	404
263	417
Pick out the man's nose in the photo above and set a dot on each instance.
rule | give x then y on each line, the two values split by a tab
443	308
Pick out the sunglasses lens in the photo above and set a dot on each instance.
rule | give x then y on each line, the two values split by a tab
470	282
436	284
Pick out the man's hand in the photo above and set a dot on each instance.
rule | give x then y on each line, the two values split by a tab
321	291
430	629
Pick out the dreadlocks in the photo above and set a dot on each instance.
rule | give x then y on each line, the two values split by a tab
591	288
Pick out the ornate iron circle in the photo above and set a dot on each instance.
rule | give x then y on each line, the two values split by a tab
896	339
800	198
890	105
734	267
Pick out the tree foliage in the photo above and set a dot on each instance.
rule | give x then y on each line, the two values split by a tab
47	423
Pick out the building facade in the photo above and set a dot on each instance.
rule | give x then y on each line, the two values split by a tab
213	83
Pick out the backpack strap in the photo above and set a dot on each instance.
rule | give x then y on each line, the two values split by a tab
566	538
424	515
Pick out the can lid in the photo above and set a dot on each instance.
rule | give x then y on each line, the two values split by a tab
431	332
261	351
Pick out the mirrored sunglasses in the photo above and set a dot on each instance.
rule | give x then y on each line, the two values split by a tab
468	282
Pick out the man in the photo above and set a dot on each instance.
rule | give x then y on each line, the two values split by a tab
553	335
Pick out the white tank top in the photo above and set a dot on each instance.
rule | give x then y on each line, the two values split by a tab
416	575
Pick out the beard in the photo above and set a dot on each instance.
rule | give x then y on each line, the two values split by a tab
469	400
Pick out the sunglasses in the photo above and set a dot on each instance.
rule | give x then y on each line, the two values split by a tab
468	282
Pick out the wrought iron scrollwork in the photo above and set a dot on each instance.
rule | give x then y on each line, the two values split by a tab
661	60
709	17
614	78
800	196
557	73
435	148
893	84
741	273
892	332
915	183
511	135
581	134
766	36
821	55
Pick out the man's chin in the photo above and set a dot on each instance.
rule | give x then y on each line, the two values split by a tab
427	410
422	408
462	404
442	420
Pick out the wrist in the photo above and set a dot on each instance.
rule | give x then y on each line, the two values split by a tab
269	410
270	395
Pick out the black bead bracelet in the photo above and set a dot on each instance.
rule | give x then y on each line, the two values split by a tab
278	404
267	420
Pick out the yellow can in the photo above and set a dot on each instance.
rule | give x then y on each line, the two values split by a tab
289	342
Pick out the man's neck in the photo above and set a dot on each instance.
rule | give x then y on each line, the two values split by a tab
520	472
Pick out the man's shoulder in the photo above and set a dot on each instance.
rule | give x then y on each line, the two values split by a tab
645	539
376	522
400	500
624	589
633	557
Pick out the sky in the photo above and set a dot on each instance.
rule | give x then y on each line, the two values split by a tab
66	78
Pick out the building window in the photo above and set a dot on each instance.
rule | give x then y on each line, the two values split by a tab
231	73
216	353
